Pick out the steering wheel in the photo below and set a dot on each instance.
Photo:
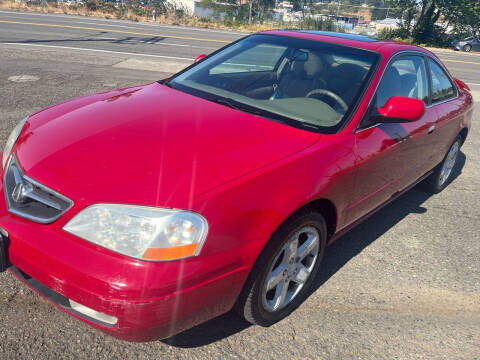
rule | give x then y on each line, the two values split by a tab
334	96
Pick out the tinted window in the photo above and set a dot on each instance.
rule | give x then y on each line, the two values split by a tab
262	57
300	82
407	77
442	87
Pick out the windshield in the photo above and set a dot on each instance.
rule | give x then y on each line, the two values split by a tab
304	83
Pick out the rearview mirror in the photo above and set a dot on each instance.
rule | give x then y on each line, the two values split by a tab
299	55
199	57
401	109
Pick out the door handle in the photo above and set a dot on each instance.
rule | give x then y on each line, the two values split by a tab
431	128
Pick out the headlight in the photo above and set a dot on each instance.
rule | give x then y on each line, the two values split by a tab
141	232
12	139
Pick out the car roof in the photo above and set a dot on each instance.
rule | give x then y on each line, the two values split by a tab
341	35
385	47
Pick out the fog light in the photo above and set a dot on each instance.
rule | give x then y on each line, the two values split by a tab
82	309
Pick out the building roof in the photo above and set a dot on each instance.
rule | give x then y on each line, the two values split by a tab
389	21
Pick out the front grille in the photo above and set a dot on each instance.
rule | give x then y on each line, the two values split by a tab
29	199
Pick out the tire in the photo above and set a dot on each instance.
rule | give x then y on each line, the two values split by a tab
265	307
443	172
467	48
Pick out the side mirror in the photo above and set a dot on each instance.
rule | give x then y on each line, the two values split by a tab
461	84
199	57
401	109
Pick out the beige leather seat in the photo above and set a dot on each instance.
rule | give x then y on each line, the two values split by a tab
345	80
303	77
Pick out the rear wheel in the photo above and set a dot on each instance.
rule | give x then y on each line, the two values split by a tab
284	272
467	48
442	173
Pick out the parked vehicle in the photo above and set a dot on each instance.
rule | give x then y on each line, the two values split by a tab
471	43
144	211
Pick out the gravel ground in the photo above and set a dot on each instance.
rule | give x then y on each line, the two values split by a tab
403	285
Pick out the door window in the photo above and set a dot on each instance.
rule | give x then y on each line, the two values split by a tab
407	77
442	87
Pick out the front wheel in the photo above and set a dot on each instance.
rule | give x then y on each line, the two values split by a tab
442	173
284	272
467	48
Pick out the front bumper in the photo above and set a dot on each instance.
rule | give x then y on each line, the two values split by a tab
146	320
149	300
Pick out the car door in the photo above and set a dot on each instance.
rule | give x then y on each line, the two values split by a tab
417	149
476	44
447	107
377	153
383	148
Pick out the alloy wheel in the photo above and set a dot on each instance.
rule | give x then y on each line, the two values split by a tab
449	163
291	269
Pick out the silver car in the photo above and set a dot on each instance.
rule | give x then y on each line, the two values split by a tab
468	44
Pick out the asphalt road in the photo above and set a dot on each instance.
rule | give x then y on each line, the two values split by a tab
164	44
177	43
403	285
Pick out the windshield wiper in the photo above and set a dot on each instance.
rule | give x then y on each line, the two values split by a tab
309	125
226	103
166	82
236	106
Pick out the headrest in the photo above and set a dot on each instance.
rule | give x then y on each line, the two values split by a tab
313	66
391	85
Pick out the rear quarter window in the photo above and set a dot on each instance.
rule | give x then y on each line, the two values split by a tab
442	87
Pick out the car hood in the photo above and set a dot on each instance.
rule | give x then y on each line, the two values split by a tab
148	145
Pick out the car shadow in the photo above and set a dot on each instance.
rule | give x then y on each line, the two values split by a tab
336	256
353	242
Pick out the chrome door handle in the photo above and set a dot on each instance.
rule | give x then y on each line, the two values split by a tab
431	128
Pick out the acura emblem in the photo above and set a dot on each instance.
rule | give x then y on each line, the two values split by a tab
19	193
21	190
30	199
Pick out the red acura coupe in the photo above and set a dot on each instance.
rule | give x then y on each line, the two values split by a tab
147	210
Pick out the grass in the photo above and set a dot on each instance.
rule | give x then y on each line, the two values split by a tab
171	17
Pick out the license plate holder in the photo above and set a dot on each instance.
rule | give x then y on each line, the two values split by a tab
3	252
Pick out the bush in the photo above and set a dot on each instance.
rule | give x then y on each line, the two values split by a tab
310	23
436	37
91	5
140	11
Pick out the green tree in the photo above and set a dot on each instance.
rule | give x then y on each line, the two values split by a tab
380	9
425	31
463	15
419	18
